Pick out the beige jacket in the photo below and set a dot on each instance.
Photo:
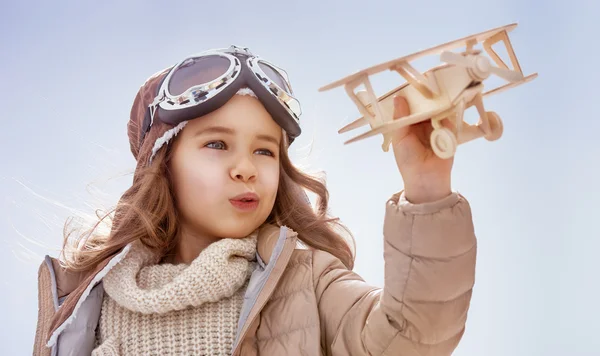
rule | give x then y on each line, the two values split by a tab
306	302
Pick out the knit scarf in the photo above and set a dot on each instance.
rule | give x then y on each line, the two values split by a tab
152	308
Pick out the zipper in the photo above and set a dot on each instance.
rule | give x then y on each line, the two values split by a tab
265	293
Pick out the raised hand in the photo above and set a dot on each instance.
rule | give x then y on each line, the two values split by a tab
426	176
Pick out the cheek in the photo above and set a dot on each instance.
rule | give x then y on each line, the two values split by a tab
200	180
270	181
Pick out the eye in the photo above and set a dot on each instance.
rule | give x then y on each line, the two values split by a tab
219	145
264	151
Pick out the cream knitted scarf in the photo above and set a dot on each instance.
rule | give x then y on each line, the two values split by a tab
152	308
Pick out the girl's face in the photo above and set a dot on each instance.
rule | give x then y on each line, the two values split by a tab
219	157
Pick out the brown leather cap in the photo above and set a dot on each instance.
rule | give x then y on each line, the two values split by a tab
142	150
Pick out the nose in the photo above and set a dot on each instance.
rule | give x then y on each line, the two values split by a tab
243	170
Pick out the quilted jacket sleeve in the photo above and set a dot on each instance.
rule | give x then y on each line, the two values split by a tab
46	310
430	253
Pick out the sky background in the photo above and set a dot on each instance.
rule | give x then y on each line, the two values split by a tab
70	71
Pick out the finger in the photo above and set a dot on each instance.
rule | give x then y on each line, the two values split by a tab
423	132
401	108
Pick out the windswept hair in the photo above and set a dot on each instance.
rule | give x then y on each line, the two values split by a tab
147	212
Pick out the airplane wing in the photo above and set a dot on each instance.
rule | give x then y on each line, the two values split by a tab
479	37
354	125
400	123
502	88
364	98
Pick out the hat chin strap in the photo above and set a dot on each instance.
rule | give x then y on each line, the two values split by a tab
168	135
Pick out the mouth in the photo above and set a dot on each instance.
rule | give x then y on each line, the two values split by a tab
245	202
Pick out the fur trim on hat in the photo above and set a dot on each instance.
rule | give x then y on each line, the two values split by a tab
246	91
165	138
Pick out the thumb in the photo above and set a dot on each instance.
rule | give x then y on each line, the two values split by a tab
401	108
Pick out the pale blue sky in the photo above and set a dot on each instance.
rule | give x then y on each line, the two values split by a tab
70	71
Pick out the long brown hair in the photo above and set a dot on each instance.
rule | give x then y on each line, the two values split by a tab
146	212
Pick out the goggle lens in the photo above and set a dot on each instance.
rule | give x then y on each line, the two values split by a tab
274	76
197	71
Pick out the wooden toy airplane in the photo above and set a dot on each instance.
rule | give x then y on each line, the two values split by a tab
443	92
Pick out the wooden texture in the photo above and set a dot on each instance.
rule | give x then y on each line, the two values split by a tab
440	93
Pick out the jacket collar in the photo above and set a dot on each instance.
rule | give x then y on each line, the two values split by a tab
66	281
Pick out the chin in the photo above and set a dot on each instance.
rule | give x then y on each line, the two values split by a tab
236	229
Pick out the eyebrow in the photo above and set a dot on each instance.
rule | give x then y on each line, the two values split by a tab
226	130
215	129
268	138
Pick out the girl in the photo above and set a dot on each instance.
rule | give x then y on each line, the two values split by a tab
215	250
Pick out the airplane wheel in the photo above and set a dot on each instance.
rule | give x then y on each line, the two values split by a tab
495	125
443	142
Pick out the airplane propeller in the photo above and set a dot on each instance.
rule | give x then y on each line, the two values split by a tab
480	66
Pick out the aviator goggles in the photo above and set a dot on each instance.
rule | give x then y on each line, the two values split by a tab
202	83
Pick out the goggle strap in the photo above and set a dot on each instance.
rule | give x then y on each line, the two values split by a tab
152	112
